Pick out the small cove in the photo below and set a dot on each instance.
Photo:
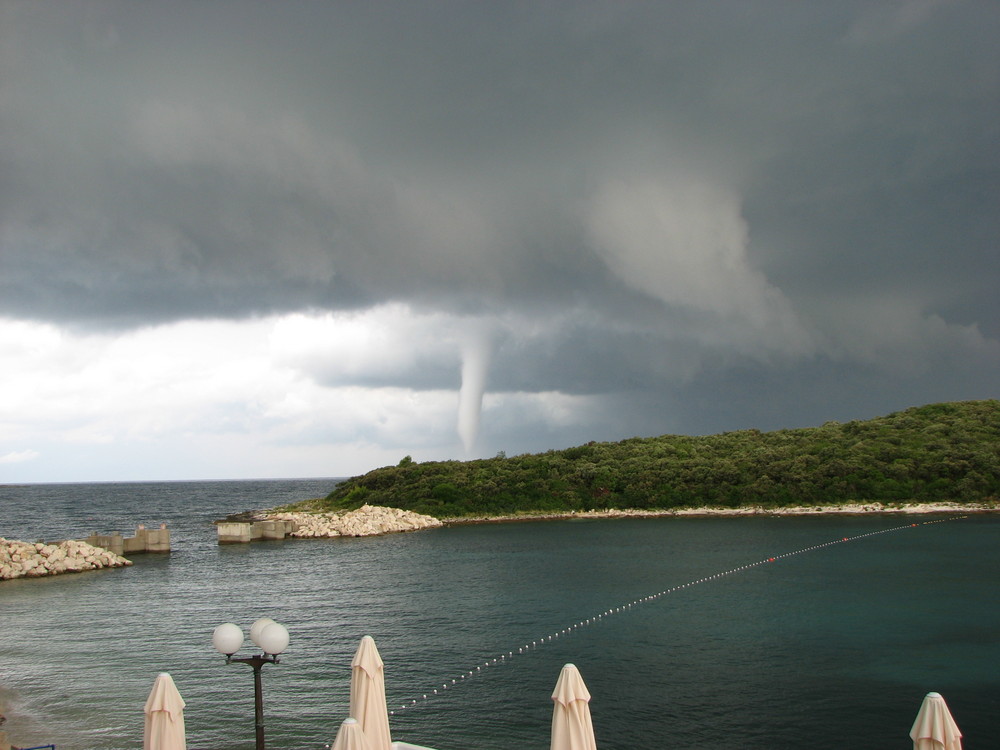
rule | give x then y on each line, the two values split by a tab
850	635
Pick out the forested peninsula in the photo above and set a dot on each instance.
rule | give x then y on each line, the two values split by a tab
939	453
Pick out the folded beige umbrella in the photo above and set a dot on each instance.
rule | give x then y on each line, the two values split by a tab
164	716
572	728
350	737
934	728
368	695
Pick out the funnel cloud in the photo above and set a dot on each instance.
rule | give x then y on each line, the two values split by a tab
475	369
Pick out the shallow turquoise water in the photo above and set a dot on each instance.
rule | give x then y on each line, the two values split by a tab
832	647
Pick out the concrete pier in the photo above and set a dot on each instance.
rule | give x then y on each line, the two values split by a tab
241	532
145	540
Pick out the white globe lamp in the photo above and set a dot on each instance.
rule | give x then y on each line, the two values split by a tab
273	639
257	627
227	638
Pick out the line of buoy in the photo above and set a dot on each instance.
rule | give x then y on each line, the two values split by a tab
503	658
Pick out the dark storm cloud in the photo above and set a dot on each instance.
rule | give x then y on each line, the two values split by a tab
667	189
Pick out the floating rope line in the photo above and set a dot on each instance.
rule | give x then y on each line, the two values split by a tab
505	657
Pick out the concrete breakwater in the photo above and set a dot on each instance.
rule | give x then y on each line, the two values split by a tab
145	540
368	520
31	560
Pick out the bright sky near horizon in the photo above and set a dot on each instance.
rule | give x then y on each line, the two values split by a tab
253	239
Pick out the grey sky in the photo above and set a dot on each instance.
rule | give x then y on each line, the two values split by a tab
623	218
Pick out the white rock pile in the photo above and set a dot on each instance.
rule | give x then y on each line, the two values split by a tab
368	520
27	559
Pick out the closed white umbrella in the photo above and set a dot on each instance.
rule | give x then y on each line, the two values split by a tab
368	695
164	710
572	728
350	737
934	728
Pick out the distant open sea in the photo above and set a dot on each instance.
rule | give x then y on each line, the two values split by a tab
833	647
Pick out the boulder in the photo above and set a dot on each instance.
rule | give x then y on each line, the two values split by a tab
21	559
368	520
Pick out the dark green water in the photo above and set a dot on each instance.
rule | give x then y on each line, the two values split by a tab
829	648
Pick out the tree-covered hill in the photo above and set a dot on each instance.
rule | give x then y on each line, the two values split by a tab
935	453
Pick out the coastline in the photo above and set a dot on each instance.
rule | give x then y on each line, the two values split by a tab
416	521
853	509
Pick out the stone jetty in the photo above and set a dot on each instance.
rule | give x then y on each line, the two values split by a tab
31	560
368	520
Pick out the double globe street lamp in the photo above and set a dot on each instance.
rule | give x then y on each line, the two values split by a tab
272	638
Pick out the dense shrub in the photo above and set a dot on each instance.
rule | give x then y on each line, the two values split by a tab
940	452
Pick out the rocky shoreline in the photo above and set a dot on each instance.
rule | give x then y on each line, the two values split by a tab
32	560
368	520
856	509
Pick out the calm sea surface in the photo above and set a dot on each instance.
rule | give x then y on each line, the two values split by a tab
833	647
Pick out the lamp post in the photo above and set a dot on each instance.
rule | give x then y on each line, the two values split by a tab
272	638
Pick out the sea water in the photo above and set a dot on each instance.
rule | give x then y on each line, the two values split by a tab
832	647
